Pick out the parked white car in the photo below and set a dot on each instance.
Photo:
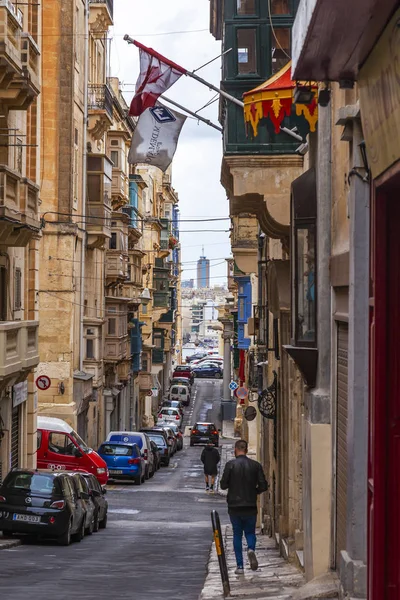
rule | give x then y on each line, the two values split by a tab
180	393
170	414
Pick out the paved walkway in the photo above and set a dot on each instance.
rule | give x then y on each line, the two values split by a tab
275	578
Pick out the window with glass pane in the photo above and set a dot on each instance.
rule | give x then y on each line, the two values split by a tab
280	48
246	7
246	51
306	308
280	7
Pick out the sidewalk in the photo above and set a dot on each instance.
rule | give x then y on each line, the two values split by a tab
275	578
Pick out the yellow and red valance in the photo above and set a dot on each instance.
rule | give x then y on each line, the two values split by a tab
274	99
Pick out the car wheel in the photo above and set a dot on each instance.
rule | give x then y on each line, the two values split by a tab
103	523
217	376
96	524
7	535
191	443
146	473
80	534
65	538
152	472
167	462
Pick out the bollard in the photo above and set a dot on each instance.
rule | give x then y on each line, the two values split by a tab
219	546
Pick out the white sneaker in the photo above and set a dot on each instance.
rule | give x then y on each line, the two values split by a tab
239	571
252	560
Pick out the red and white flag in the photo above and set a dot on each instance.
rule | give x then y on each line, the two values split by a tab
157	74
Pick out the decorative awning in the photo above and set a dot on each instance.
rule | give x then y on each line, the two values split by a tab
274	99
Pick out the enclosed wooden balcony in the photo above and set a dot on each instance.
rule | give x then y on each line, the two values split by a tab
116	348
19	200
124	370
18	349
116	265
99	175
10	44
145	382
244	242
30	58
119	189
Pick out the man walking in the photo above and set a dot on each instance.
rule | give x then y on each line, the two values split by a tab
245	480
210	458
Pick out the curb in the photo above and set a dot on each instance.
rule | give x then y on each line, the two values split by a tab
7	544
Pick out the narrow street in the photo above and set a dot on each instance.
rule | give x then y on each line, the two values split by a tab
156	544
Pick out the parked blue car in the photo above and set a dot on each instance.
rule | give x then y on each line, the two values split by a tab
207	371
124	461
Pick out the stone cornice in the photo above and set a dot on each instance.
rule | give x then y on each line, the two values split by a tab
256	161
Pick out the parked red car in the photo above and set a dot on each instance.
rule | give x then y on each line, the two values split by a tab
183	371
61	448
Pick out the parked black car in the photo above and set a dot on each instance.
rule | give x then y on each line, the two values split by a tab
97	494
43	503
159	437
157	455
83	496
202	433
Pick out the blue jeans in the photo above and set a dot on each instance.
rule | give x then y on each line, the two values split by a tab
240	525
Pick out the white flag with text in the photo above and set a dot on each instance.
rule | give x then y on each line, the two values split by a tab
156	136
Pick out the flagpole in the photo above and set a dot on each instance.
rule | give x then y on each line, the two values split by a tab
210	86
193	114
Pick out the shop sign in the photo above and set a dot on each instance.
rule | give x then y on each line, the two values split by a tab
20	393
379	83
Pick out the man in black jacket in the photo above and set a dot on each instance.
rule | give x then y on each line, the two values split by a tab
245	480
210	458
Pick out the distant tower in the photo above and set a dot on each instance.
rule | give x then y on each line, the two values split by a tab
203	271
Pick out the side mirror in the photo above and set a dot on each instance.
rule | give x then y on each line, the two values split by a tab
84	496
77	453
104	490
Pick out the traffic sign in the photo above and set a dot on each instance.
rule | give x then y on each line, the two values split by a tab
43	382
242	393
233	386
149	393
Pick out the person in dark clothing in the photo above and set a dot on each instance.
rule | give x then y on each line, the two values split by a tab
210	458
245	480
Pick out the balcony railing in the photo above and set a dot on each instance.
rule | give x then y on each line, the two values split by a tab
100	98
18	347
108	3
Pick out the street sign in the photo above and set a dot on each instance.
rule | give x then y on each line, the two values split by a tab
233	386
242	393
43	382
250	413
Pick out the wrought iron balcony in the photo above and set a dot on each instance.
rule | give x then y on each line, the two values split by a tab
100	98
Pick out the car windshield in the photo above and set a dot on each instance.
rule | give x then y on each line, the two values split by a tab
116	450
174	428
157	439
79	441
174	390
169	411
204	428
32	483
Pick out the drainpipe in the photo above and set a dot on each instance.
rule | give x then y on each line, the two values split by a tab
84	184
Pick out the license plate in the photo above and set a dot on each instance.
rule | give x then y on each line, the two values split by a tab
115	472
204	439
26	518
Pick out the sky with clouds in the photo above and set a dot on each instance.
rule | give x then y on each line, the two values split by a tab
197	162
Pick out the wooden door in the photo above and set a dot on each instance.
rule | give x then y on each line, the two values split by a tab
384	455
